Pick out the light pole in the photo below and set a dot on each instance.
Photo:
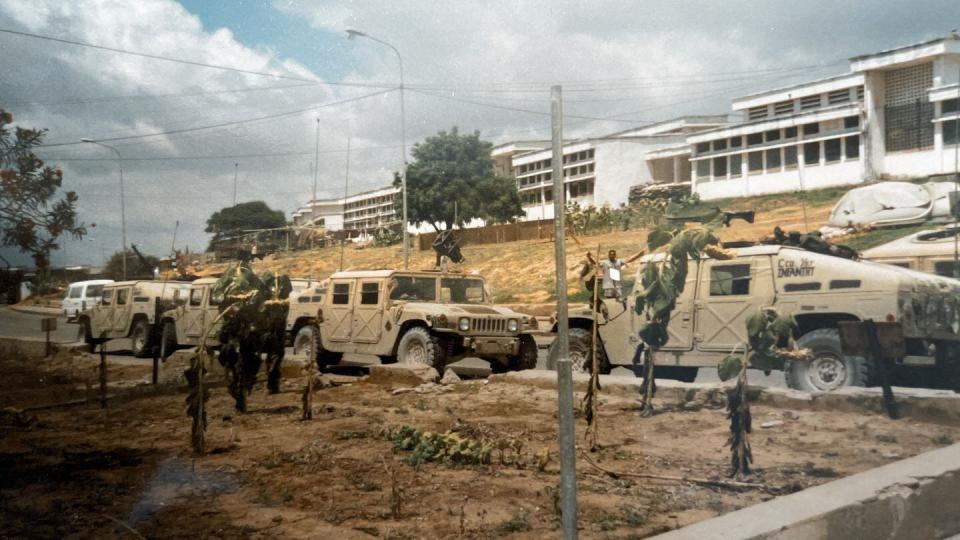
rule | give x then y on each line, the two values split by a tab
123	213
351	34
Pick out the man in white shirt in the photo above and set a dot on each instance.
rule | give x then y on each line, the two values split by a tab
611	274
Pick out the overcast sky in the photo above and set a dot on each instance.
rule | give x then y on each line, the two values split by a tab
483	66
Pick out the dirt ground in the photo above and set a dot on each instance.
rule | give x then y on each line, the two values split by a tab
82	471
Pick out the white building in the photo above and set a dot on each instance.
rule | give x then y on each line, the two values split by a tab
598	170
361	214
894	114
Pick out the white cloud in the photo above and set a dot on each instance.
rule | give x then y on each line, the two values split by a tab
608	47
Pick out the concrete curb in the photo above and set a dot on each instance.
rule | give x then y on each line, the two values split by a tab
916	403
902	500
37	310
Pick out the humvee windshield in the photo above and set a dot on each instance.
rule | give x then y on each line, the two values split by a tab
461	291
418	289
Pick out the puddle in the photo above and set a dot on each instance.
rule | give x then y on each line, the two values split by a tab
175	478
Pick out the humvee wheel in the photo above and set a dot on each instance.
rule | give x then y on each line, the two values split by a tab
419	346
580	353
305	342
527	355
140	338
830	369
168	341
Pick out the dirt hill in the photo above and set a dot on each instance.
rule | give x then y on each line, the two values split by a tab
523	272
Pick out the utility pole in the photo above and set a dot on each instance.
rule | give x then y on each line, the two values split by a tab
235	167
123	211
316	171
346	184
956	186
568	457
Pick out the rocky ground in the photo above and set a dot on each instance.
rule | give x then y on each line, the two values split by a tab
127	470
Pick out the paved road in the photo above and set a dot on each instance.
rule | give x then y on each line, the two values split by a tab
21	324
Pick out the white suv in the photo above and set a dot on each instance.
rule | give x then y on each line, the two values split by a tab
82	295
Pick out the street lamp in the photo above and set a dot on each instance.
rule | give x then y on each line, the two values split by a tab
351	34
123	215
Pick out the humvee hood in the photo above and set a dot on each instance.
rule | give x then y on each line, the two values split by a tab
466	309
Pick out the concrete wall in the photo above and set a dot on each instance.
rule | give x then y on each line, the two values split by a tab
814	177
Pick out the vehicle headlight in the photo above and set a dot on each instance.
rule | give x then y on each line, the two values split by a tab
464	324
512	325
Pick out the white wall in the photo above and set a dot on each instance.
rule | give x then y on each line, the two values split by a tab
815	177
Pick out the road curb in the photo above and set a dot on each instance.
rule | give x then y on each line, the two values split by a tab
38	310
938	406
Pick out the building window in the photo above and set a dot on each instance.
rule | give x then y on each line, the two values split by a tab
811	129
720	167
790	132
908	114
790	156
719	144
754	139
809	102
852	147
757	113
736	142
838	96
851	122
782	108
773	160
755	161
772	135
703	148
736	164
811	153
703	168
832	150
950	132
949	106
859	93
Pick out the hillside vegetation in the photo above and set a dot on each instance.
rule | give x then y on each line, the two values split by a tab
523	272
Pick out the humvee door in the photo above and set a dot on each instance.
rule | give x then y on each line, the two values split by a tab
728	293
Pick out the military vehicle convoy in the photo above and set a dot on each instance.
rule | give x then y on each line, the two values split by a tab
819	290
420	317
128	309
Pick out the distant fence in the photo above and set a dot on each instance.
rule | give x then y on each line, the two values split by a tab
541	229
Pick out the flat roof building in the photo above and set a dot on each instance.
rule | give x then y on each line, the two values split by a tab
893	115
361	214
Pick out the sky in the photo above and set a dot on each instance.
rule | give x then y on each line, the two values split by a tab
184	130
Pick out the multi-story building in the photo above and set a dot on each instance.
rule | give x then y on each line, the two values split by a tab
598	170
360	214
894	114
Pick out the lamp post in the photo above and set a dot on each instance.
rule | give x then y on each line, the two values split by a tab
123	215
351	34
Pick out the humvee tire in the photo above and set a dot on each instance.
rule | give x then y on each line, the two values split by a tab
419	346
140	339
306	341
830	369
527	357
168	340
580	353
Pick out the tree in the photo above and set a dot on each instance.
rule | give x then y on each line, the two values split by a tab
135	267
232	220
451	168
32	218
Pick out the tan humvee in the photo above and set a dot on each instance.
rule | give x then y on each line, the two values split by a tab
186	324
127	309
930	251
421	317
304	303
709	321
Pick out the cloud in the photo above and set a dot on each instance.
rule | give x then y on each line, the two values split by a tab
616	58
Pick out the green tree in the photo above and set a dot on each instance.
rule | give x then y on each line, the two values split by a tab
135	267
451	168
32	216
232	220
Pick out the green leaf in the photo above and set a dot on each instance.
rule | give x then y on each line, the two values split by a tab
756	324
653	334
650	274
784	326
765	359
729	367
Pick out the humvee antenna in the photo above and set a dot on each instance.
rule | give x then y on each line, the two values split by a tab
346	183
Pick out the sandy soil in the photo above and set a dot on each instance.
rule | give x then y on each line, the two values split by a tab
82	471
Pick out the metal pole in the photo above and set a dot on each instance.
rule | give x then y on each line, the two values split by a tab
351	34
568	458
346	184
956	185
235	167
316	169
123	212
